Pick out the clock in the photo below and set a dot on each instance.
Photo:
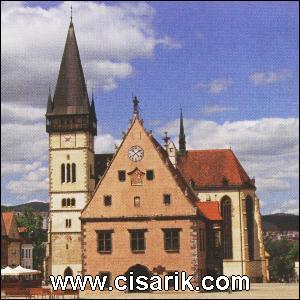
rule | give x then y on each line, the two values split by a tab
136	153
67	138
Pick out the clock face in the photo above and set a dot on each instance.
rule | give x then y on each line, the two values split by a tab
136	153
67	138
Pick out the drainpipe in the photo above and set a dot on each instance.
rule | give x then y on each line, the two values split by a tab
241	235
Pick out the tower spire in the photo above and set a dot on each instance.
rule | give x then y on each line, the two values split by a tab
49	103
182	143
71	95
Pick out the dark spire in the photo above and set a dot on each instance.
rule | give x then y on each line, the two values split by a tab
70	95
92	108
135	106
49	103
182	146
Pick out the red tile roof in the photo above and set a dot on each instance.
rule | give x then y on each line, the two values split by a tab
213	168
210	209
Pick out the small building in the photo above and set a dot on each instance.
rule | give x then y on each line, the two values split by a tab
13	239
4	244
26	249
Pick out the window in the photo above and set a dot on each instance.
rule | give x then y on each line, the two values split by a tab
73	172
63	174
167	199
104	241
137	202
137	240
150	174
227	227
68	223
73	202
107	200
202	242
63	202
171	237
68	173
22	253
108	278
250	220
122	175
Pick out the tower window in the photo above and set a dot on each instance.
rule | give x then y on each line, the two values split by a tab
107	200
73	202
73	172
150	174
63	202
63	173
68	173
167	199
68	223
122	175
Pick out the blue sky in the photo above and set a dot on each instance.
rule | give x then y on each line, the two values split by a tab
232	66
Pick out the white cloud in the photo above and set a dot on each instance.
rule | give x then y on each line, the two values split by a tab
105	143
110	37
288	207
216	86
12	168
216	109
267	148
270	77
34	181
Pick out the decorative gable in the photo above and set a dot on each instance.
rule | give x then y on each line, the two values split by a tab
167	180
136	176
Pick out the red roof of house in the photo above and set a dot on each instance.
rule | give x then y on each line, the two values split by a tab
210	209
7	219
213	168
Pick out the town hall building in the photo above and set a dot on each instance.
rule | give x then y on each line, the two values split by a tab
147	208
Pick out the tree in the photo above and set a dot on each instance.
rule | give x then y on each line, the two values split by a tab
35	233
283	254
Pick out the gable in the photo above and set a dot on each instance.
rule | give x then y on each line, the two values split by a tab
10	224
167	181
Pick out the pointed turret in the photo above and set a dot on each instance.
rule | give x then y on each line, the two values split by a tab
93	110
49	103
70	95
182	143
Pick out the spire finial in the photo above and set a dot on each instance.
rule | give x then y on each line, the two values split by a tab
182	143
71	8
135	105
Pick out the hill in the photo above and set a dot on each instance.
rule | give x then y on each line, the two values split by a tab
280	222
36	206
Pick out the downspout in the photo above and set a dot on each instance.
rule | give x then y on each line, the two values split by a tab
241	235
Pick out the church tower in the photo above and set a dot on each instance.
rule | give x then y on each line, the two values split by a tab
71	124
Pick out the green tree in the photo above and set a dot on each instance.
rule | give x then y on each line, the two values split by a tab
35	233
283	254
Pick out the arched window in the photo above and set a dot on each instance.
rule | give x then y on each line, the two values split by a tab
73	202
63	174
68	202
250	231
68	173
63	202
73	172
227	227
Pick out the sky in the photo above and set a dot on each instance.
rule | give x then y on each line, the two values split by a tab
231	66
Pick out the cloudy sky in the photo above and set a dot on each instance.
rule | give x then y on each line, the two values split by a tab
233	67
